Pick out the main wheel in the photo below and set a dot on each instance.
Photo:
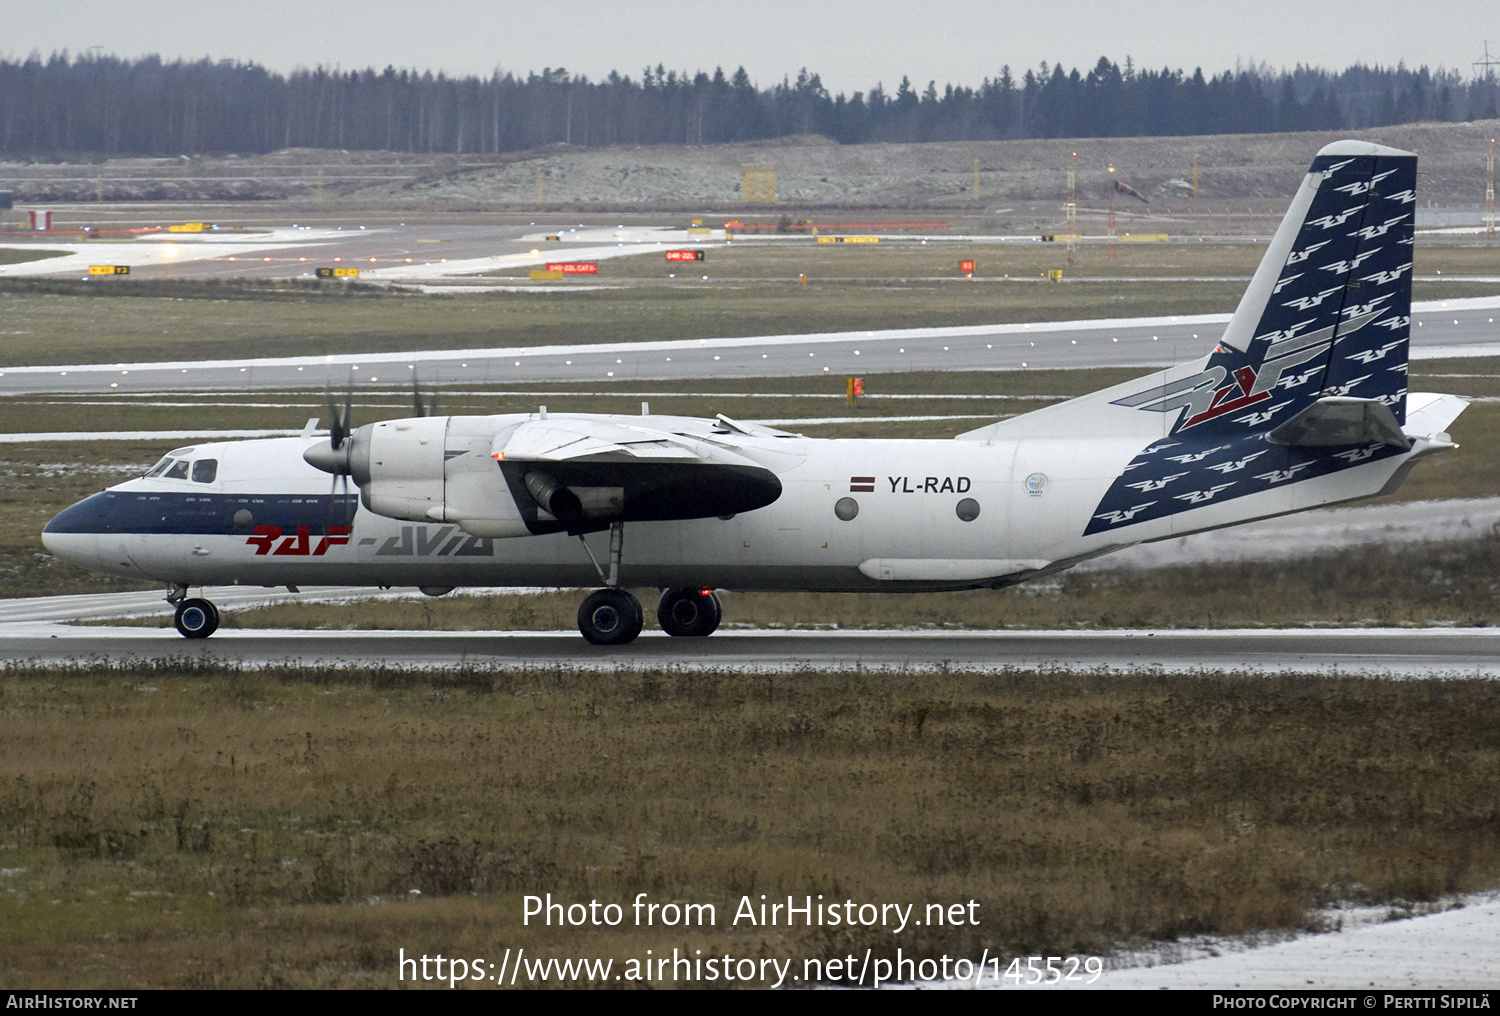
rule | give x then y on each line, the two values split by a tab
196	619
610	617
689	612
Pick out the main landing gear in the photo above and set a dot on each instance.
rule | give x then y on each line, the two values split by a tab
689	612
613	617
610	617
195	618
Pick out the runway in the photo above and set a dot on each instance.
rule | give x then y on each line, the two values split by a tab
1397	653
1445	328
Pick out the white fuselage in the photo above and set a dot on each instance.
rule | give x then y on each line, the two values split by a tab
1034	496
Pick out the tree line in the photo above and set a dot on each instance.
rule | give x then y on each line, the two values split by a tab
96	105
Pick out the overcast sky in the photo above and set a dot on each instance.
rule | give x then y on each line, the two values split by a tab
852	45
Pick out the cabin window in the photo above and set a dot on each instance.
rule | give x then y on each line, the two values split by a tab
178	470
846	509
204	470
968	509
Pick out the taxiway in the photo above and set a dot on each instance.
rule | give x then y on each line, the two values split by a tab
1402	653
1446	328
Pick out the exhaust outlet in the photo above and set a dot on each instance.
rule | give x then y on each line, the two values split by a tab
555	499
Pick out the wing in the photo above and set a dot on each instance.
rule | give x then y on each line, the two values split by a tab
580	473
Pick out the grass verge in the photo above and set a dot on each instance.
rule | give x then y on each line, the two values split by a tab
168	826
21	255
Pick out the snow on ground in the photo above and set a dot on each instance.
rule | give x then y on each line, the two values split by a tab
1457	948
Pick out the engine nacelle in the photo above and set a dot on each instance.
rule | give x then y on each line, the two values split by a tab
435	469
504	476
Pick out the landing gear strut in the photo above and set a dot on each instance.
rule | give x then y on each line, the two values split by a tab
610	616
689	612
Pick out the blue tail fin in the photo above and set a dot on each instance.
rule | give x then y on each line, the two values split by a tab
1327	314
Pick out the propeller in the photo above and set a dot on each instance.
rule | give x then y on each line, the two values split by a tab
338	426
334	457
423	407
338	455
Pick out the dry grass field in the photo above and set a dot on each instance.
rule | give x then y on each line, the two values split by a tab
58	328
165	827
20	255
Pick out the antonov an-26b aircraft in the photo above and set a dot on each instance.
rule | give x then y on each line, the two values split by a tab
1302	404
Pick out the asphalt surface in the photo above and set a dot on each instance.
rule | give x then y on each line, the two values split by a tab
1445	328
1410	653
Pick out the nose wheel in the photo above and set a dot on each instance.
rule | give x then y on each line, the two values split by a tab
690	613
196	619
610	617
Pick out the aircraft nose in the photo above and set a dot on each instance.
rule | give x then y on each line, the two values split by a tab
81	549
73	533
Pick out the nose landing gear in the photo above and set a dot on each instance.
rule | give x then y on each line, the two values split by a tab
195	618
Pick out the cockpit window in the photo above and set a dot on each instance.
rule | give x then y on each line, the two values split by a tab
204	470
179	471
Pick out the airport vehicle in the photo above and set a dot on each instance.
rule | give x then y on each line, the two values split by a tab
1302	404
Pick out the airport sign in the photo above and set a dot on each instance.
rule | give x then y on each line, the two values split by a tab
574	267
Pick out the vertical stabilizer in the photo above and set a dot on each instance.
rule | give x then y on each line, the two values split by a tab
1327	315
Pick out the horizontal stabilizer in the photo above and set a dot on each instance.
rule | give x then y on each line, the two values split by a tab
1340	421
1428	414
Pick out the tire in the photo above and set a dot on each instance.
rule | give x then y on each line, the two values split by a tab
689	613
196	619
610	617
